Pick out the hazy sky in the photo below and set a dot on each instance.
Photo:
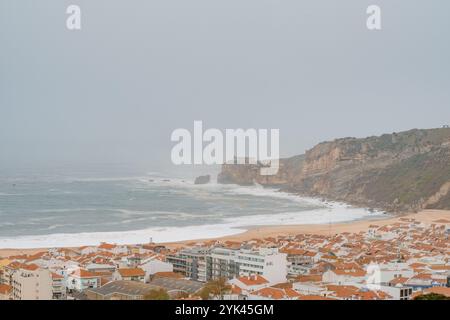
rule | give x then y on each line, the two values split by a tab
114	91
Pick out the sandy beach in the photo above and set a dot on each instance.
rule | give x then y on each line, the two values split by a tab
426	216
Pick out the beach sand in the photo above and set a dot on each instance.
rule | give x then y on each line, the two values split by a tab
426	216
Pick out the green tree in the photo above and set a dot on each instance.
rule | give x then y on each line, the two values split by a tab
215	289
432	296
157	294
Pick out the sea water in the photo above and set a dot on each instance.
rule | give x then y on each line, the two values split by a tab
67	210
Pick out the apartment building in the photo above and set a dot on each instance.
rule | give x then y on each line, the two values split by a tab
58	287
7	272
32	283
299	261
231	263
267	262
191	262
222	263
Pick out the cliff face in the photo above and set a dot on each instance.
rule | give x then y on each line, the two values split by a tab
395	172
248	174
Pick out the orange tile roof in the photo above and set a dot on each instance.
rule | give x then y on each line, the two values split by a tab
283	285
353	273
291	292
423	276
438	290
310	254
253	280
292	251
399	280
367	295
272	293
107	246
56	276
131	272
235	289
343	291
314	297
81	273
29	267
440	267
168	274
36	256
5	289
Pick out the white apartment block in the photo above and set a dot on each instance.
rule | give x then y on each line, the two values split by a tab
267	262
397	293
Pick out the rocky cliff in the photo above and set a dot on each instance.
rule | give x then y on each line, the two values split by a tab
395	172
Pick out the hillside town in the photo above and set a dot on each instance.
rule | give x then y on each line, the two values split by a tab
400	261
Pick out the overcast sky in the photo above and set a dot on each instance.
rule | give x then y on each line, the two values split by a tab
114	91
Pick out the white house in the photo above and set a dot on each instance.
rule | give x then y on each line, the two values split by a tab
81	279
344	276
153	265
389	271
250	283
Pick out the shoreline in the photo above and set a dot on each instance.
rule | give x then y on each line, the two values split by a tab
265	231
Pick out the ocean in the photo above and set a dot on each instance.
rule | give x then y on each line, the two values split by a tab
65	210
